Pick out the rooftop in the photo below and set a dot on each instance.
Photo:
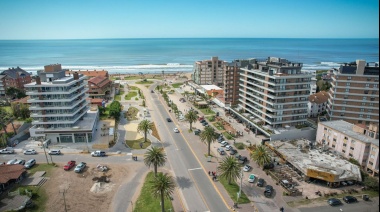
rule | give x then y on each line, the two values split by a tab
346	128
90	73
319	98
211	87
304	159
10	172
12	72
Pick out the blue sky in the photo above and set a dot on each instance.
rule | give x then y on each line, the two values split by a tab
81	19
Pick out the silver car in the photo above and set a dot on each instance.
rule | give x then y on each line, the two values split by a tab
30	152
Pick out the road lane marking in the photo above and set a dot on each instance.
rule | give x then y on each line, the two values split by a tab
196	186
195	169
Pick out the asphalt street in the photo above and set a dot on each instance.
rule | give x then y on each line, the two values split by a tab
360	206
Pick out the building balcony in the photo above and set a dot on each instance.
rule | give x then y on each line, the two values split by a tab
67	99
72	121
53	91
58	114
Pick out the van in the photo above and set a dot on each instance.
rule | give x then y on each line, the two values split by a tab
55	152
98	153
221	151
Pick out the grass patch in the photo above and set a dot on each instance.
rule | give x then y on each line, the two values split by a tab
135	144
211	118
147	202
219	127
133	77
228	136
207	111
105	114
155	132
177	85
232	190
48	168
118	96
131	114
144	82
8	109
134	88
206	155
130	95
239	145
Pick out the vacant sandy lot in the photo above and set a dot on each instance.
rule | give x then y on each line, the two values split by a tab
83	191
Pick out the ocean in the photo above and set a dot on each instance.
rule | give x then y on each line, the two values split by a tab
173	55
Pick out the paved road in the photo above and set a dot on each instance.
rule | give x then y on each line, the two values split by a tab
361	206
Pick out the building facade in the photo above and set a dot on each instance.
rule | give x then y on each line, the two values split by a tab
16	77
99	87
275	91
354	95
209	72
317	104
59	108
2	85
352	141
231	82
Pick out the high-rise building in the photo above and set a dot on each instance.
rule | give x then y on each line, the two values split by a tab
354	95
209	72
231	82
59	108
2	85
275	92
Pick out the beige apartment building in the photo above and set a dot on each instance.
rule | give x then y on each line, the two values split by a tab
275	92
352	141
231	82
354	95
209	72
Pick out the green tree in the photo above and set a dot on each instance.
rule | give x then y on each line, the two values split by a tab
162	186
372	183
4	119
115	109
145	126
155	157
191	117
229	169
261	155
15	93
208	136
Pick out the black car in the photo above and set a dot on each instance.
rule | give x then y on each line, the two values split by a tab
260	182
242	159
269	166
334	202
349	199
233	151
268	191
220	139
205	123
203	120
168	119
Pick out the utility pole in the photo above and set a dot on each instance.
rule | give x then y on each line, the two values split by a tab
64	199
241	183
43	145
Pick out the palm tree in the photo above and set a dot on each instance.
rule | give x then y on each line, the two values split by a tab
162	186
261	155
145	126
209	136
229	168
191	117
156	157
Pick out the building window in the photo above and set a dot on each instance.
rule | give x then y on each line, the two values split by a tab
334	139
345	137
344	102
347	90
353	141
364	98
333	145
366	92
363	103
375	85
370	163
368	116
373	149
348	84
343	151
350	155
348	78
361	109
367	85
343	108
371	156
352	148
344	144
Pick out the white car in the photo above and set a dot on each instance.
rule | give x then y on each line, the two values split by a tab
224	143
8	150
13	161
30	152
176	130
247	168
228	148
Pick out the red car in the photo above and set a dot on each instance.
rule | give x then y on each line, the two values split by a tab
69	165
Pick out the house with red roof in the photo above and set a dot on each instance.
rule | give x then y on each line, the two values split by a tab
11	174
99	87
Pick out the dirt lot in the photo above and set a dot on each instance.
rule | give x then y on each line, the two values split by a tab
84	192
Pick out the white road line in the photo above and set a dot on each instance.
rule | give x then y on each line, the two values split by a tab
194	169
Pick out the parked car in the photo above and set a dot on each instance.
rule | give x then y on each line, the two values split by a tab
55	152
228	147
98	153
268	191
247	168
233	151
221	151
69	165
21	162
334	202
242	159
269	166
197	132
151	91
350	199
7	150
224	143
13	161
80	167
30	152
251	178
343	183
30	163
260	182
202	120
176	130
220	139
168	120
204	123
350	183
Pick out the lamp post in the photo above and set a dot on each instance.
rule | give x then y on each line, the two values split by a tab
132	205
241	182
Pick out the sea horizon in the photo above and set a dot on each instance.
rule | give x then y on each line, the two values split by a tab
152	55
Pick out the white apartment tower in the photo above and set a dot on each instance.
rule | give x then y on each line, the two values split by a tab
209	72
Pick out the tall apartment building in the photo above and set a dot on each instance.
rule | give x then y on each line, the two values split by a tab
2	85
352	141
16	77
59	108
354	95
209	72
231	82
275	91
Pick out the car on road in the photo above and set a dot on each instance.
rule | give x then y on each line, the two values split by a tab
69	165
30	152
8	150
233	151
221	151
80	167
176	130
251	178
168	120
350	199
55	152
13	161
98	153
260	182
268	191
30	163
21	162
228	147
247	168
334	202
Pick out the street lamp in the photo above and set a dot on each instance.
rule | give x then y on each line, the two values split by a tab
241	182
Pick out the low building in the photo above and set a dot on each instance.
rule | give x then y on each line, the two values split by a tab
11	174
317	103
99	87
2	85
16	77
315	164
90	74
359	142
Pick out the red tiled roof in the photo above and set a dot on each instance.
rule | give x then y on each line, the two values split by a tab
319	97
10	172
93	101
10	128
99	81
88	73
